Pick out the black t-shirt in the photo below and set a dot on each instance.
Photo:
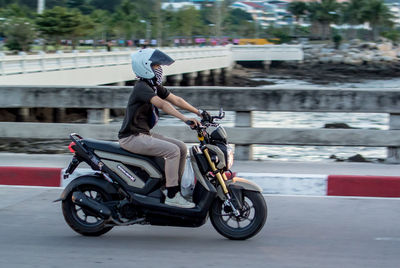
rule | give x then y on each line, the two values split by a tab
139	109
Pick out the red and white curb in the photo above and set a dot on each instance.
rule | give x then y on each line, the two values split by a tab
319	185
271	183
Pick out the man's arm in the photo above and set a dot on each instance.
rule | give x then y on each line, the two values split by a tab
181	103
169	109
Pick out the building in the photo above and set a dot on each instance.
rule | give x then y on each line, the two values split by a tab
266	13
177	5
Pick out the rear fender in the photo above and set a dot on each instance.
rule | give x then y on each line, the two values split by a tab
96	180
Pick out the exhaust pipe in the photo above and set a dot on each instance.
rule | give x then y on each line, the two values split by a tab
93	206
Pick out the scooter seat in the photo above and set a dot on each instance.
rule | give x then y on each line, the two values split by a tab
113	147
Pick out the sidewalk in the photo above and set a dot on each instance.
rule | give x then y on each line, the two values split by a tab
281	167
274	177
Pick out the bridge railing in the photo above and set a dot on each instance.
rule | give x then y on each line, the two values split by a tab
42	62
244	101
268	53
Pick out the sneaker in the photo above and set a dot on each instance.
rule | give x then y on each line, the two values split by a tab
179	201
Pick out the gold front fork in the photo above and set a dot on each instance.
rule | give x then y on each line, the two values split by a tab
221	178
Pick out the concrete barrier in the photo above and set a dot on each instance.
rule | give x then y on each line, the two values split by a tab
241	100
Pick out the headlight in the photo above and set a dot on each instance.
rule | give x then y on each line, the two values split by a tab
230	157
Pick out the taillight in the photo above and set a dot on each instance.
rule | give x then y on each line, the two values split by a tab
70	147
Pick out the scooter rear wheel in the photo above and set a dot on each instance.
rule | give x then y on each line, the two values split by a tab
251	220
81	220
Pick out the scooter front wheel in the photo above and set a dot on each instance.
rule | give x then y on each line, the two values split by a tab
251	220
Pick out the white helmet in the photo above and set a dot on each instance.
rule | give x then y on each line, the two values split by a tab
144	59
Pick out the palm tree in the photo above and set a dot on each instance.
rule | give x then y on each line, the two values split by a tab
377	14
322	14
298	9
352	13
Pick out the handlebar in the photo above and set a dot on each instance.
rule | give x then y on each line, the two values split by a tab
207	123
219	117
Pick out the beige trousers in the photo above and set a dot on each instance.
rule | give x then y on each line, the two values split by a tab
173	151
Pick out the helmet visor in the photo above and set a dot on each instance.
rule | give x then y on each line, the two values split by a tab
160	58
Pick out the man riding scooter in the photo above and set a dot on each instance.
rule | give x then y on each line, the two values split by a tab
142	114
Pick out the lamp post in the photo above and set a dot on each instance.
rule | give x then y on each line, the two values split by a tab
218	20
40	6
212	29
257	35
148	29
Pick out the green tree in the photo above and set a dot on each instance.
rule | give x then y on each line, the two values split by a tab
52	3
352	13
59	22
322	14
83	5
83	27
15	10
103	27
168	16
33	3
109	5
126	20
19	33
392	34
239	23
189	20
377	14
185	22
337	40
279	35
298	9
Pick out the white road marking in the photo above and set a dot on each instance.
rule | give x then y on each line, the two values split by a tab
396	239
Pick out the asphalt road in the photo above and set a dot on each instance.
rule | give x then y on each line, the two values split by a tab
300	232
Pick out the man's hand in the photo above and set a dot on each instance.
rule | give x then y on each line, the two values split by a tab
192	122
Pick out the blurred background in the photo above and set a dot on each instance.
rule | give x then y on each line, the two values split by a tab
48	25
345	44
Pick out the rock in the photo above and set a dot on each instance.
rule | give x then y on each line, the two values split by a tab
355	50
355	42
367	57
387	58
344	46
337	125
391	53
377	58
357	158
337	59
371	45
337	159
325	59
327	50
385	47
355	56
351	61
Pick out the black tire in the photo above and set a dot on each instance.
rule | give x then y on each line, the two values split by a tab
73	214
218	217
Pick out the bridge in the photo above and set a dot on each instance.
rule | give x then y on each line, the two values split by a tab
102	68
